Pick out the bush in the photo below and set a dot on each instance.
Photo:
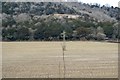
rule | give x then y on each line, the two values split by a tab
101	36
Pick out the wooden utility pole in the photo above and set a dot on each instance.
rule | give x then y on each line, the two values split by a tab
59	70
64	48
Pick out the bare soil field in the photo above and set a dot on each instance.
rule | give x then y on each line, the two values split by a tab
45	60
0	60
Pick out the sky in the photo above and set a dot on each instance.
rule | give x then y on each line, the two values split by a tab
102	2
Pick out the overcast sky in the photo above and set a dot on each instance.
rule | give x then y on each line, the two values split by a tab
103	2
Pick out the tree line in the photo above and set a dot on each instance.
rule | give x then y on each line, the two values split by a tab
51	30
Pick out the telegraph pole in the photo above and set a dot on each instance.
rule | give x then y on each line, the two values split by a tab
64	48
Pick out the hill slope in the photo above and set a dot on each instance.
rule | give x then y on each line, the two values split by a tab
47	20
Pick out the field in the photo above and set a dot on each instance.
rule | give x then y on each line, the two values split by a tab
0	60
45	60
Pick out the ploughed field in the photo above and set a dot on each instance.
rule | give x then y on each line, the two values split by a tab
0	60
45	60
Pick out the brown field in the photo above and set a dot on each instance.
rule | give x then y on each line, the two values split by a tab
44	60
0	60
